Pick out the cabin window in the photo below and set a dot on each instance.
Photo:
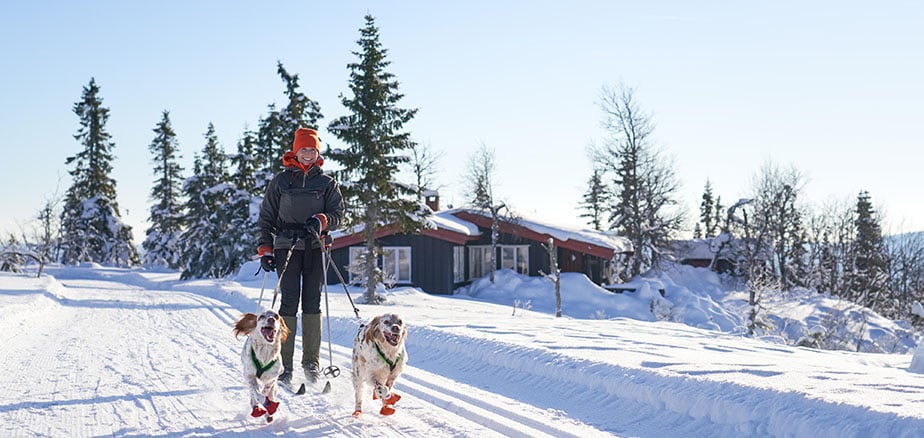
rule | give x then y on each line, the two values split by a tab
479	259
396	263
356	264
515	257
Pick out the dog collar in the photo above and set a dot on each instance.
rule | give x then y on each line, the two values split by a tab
391	365
259	366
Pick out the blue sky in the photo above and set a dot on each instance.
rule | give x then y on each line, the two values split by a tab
832	88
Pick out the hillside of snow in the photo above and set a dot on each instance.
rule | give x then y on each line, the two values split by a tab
700	298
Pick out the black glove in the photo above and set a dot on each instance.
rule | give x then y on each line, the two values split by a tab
268	263
313	226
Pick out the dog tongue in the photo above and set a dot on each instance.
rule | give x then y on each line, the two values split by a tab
268	333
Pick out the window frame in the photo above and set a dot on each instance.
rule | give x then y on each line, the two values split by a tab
520	258
398	251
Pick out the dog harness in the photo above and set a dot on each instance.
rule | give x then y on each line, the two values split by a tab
259	366
391	365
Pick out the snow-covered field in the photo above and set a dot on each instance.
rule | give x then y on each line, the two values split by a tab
93	351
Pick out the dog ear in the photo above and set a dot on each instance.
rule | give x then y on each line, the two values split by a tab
283	330
372	329
245	324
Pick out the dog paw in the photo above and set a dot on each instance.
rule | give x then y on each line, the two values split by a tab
271	406
257	411
387	410
357	413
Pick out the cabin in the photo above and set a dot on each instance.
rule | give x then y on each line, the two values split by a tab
457	250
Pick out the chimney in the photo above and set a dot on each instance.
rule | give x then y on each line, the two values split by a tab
432	198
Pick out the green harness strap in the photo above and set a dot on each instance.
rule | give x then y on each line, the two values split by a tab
259	366
391	365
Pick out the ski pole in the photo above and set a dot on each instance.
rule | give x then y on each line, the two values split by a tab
286	266
329	371
345	289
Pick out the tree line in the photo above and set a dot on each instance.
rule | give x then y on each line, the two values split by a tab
203	223
773	240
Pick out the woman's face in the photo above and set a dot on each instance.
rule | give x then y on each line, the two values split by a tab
307	156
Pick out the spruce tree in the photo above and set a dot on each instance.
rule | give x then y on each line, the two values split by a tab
243	205
269	147
596	200
276	131
706	212
869	276
162	245
91	225
373	132
205	254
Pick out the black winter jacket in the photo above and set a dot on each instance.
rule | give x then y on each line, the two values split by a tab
291	198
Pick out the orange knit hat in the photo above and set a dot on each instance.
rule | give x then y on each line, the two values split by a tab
306	138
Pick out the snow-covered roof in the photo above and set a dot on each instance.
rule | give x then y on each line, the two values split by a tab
447	221
562	233
694	249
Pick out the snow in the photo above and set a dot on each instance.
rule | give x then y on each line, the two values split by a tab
92	350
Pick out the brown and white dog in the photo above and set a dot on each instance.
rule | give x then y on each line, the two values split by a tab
378	359
261	359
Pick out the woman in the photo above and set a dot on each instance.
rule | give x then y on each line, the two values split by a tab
301	204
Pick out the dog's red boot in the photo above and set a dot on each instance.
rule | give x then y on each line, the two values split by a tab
357	413
271	406
387	410
393	399
257	411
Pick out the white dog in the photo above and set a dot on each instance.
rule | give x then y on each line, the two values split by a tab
378	359
261	359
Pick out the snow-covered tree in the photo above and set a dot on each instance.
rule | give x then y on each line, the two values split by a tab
11	255
777	222
162	244
830	234
376	143
243	207
208	217
645	209
276	131
906	274
596	201
91	225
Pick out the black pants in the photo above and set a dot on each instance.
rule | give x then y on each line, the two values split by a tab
301	280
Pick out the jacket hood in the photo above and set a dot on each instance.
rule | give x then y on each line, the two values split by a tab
289	160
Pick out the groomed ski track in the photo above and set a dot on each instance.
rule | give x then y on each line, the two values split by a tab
126	354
